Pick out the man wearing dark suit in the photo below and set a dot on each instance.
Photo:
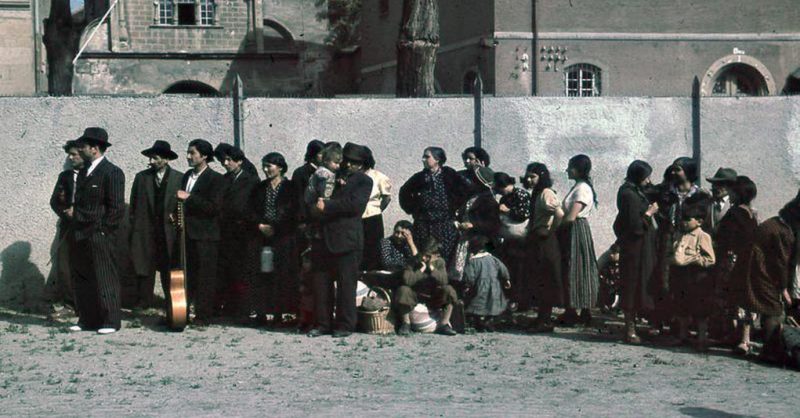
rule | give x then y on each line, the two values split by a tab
201	191
99	208
222	150
338	254
153	199
62	201
239	245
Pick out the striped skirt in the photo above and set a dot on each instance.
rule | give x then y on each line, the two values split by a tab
579	265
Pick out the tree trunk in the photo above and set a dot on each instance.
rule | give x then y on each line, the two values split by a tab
416	48
62	41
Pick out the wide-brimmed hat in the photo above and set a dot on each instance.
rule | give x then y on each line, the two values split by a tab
94	136
355	152
162	149
485	175
723	175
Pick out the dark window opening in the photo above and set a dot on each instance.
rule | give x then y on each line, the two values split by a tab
186	14
739	80
192	88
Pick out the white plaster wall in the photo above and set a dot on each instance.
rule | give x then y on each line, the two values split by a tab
760	137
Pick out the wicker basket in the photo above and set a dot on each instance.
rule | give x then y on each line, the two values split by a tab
376	322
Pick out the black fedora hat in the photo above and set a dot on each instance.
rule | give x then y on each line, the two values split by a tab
723	175
162	149
94	136
355	152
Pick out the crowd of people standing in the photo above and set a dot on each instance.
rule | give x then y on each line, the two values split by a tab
688	259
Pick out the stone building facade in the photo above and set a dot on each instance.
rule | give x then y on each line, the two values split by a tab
597	47
277	47
21	52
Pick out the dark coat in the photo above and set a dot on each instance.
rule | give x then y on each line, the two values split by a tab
235	216
288	213
300	179
203	206
735	235
99	200
455	185
636	237
342	228
61	199
484	215
771	267
142	212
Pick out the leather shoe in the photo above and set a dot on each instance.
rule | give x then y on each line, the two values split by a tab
316	332
75	328
446	329
341	333
405	330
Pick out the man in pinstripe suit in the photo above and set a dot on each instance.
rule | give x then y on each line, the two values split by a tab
98	210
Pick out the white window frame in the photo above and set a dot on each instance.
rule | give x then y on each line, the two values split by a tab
583	74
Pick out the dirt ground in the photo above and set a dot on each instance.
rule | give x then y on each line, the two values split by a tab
144	370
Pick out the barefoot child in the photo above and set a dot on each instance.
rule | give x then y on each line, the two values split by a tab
690	262
485	277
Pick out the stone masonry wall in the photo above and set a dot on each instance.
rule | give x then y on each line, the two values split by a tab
760	137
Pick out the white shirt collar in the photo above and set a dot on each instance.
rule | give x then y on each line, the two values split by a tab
95	164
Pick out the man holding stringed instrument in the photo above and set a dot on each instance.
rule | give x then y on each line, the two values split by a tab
201	193
153	237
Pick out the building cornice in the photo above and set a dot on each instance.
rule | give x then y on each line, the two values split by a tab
191	55
652	36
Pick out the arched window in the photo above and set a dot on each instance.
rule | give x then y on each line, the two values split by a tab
739	80
191	87
582	80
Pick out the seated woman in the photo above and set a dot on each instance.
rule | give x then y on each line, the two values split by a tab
397	250
425	281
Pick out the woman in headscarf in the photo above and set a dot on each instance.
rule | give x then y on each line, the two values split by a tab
636	236
432	197
581	277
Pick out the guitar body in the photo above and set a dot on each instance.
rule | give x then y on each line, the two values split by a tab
177	305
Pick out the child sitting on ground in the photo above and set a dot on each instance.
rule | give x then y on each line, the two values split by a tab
690	262
485	277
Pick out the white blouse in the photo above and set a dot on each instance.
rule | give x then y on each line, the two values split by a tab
580	192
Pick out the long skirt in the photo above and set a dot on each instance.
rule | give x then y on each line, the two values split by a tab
279	291
515	255
579	265
373	234
637	265
545	271
444	231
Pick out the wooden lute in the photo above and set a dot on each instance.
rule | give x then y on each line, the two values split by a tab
177	307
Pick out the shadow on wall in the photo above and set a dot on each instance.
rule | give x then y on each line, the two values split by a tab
288	67
700	412
21	282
